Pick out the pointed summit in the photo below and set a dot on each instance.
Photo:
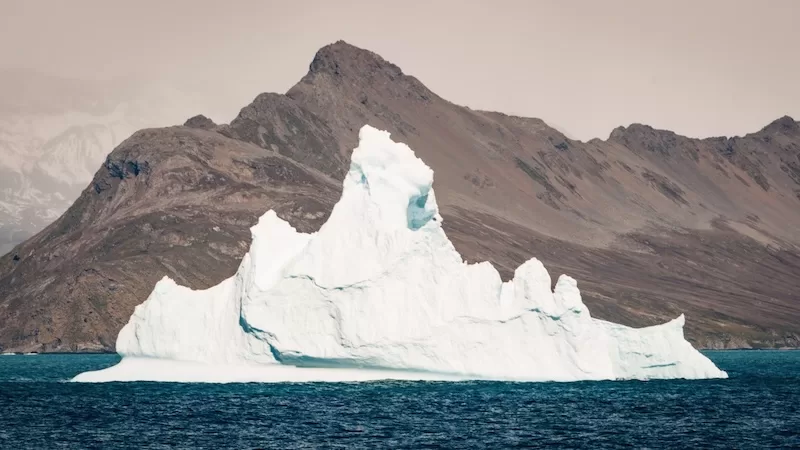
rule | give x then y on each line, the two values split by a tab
351	86
341	59
782	124
200	121
637	131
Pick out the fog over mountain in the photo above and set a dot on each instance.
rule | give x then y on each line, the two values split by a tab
55	132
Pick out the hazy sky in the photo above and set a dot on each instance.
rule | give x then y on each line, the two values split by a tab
700	68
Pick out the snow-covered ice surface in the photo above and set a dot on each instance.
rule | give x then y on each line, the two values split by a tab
380	292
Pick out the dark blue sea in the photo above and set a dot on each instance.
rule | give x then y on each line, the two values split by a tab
757	407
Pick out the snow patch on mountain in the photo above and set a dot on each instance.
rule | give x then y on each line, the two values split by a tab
380	292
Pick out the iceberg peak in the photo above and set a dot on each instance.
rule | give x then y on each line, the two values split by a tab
380	292
395	186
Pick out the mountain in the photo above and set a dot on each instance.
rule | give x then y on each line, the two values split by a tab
653	224
55	132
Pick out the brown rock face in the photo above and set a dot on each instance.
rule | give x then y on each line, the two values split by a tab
650	223
200	121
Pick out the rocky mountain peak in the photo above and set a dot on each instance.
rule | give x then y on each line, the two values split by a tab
354	73
617	133
344	60
782	125
200	121
638	131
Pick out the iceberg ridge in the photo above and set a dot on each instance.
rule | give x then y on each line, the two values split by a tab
380	292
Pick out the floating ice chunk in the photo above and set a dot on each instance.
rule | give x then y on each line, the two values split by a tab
380	292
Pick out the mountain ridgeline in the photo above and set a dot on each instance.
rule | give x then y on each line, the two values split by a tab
650	223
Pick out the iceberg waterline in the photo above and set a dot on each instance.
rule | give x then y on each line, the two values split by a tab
380	292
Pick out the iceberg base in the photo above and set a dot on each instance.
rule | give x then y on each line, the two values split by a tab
170	371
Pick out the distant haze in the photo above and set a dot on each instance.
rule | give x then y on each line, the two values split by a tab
698	68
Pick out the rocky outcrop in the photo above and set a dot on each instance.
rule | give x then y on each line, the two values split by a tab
200	121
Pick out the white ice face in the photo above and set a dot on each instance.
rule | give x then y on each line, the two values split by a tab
380	292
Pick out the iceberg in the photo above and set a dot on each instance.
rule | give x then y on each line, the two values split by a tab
380	292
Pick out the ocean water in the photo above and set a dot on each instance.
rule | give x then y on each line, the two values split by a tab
757	407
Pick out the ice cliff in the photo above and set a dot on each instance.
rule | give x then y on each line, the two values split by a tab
380	292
